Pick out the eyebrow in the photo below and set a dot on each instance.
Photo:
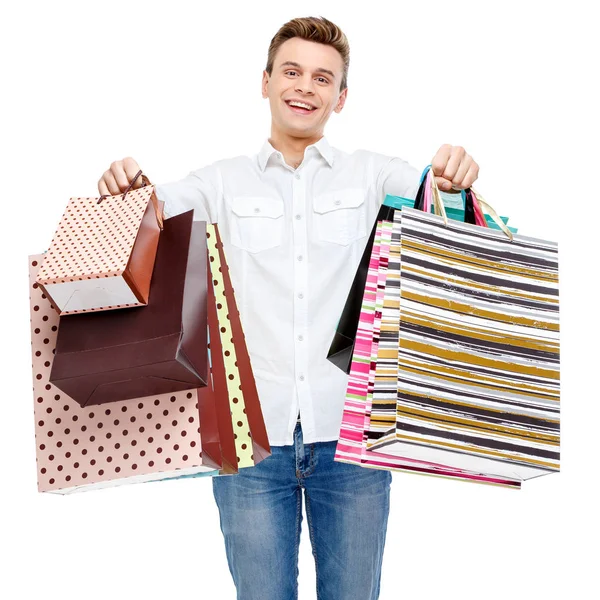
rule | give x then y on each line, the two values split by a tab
289	63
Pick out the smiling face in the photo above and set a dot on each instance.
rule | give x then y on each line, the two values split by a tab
307	73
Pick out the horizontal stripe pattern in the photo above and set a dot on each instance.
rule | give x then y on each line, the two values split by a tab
478	350
351	446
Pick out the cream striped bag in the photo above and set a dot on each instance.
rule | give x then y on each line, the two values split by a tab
478	355
374	367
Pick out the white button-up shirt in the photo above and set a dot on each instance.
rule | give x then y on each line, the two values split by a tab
293	239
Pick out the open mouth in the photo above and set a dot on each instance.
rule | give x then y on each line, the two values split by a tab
300	108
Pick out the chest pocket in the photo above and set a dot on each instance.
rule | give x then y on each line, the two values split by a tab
257	223
339	216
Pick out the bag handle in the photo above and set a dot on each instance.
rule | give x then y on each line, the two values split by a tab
479	216
153	198
493	214
425	196
475	196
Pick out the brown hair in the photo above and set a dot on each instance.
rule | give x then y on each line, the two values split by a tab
314	29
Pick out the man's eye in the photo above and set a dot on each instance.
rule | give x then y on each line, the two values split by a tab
295	73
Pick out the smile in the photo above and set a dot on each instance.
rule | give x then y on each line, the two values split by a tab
300	108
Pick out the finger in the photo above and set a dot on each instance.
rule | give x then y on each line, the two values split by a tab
456	156
131	169
103	188
443	184
471	176
118	172
440	160
111	183
461	172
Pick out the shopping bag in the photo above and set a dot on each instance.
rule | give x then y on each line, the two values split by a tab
342	345
132	441
102	254
241	440
222	452
211	440
231	367
216	427
230	397
478	357
383	398
351	446
218	445
109	356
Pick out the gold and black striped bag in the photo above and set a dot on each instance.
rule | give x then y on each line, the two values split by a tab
478	354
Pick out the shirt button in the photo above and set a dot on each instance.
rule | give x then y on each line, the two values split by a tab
300	338
297	175
298	217
257	210
337	202
301	378
300	257
300	296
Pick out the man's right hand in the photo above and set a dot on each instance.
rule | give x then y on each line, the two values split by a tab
118	177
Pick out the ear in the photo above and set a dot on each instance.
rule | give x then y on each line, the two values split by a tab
341	101
265	81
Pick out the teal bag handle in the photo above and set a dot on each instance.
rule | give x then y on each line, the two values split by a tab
456	214
398	202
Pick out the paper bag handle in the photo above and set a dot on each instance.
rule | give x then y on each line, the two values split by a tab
441	211
153	198
423	200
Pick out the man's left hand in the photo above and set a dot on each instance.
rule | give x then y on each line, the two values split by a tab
454	168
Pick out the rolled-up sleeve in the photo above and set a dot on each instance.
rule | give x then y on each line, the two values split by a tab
396	177
201	190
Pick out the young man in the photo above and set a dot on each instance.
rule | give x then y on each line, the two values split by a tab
294	220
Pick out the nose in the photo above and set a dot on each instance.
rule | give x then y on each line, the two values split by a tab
305	84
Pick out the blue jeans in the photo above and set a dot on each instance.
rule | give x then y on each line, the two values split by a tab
347	510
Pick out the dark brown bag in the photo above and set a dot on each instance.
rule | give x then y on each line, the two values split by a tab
159	348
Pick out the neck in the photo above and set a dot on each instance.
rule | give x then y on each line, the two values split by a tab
292	148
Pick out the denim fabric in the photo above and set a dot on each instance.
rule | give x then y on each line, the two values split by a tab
347	510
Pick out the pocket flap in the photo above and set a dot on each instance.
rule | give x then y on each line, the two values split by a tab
347	198
257	206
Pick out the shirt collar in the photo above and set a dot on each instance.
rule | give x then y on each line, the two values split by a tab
322	147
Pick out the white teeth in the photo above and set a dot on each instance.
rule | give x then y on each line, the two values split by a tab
301	105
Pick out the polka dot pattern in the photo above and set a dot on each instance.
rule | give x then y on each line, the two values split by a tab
78	446
109	307
241	427
94	239
252	409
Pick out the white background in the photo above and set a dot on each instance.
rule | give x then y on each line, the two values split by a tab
176	85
